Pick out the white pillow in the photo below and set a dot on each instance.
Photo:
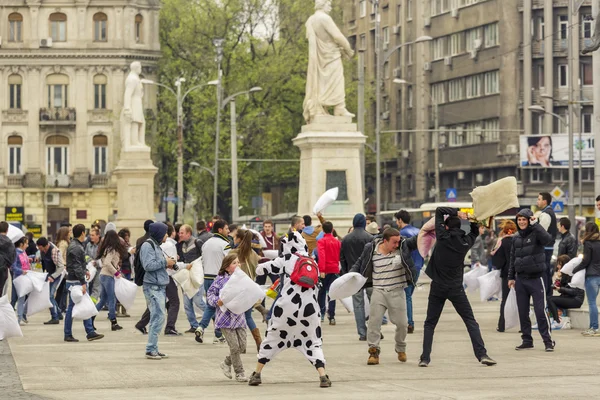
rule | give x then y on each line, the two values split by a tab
38	279
9	325
85	309
39	301
23	285
240	292
571	265
346	285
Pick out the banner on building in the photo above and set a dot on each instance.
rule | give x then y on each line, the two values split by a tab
552	151
36	230
14	214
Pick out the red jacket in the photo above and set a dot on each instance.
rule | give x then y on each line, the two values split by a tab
329	254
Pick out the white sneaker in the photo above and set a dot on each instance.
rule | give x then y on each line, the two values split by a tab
22	323
591	333
241	377
220	340
226	369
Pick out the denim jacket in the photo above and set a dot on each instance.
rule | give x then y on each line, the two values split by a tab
154	264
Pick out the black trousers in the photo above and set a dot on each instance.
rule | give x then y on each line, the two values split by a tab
535	289
556	302
3	279
172	308
549	272
437	298
505	291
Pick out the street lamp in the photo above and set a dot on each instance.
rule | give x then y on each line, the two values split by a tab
567	124
436	149
177	93
218	43
235	208
381	58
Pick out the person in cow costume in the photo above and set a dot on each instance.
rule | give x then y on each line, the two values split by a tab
296	320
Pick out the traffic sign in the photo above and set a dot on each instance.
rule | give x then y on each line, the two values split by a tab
557	193
451	194
558	206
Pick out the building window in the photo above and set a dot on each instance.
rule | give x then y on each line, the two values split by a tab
15	23
563	26
541	76
409	10
491	130
57	155
363	42
541	28
587	29
456	136
14	91
586	123
100	21
588	74
14	154
100	152
58	27
410	96
491	82
386	35
409	54
587	175
535	175
473	132
473	38
439	48
473	86
490	34
100	92
139	24
456	89
455	44
539	119
560	175
57	91
563	75
438	93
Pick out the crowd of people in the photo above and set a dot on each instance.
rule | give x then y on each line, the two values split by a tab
389	260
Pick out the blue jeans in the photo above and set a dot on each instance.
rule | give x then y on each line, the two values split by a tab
188	305
209	311
89	327
409	292
592	287
107	295
156	298
327	281
54	311
21	308
249	320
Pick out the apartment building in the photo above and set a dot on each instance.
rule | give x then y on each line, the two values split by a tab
63	69
475	70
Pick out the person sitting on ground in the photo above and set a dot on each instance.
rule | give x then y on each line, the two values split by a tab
569	297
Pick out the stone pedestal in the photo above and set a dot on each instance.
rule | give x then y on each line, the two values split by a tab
135	190
331	156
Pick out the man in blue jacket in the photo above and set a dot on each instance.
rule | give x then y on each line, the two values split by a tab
408	231
156	280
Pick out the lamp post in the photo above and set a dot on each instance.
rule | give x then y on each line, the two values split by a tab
177	93
436	150
218	43
235	208
567	124
380	61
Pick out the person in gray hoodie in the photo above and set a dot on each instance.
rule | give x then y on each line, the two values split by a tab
156	280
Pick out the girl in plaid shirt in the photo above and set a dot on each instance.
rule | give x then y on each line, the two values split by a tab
233	326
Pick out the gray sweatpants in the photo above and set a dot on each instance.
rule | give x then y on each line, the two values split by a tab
394	301
236	340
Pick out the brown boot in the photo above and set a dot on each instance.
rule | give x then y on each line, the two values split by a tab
402	356
257	338
373	356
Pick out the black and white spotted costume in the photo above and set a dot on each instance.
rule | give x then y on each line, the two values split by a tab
296	320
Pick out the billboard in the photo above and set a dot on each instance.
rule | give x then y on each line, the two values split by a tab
552	151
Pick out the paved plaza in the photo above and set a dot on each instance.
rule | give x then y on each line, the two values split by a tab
115	367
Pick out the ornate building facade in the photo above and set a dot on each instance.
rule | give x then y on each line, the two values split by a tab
63	64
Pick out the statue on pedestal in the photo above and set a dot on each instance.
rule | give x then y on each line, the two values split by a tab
325	86
133	123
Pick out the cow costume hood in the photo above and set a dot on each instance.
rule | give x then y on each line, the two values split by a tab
294	243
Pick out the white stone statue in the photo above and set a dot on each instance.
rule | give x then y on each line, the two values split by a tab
133	123
325	86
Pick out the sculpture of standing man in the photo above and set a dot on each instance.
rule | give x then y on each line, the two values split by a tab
133	123
325	86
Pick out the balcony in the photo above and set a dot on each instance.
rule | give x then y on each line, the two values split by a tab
58	116
99	180
58	181
14	181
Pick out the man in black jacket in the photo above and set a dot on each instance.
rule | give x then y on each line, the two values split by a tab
76	274
526	274
353	245
568	243
445	269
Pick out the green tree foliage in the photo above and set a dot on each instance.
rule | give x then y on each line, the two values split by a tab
265	46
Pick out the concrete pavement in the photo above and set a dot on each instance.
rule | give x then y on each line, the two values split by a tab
115	367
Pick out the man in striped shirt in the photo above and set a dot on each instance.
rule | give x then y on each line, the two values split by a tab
384	264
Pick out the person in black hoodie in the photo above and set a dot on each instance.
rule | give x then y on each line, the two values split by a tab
591	265
500	260
445	269
570	297
526	274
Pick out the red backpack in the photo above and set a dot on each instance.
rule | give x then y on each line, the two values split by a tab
306	272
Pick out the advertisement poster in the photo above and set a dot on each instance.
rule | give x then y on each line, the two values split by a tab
550	151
